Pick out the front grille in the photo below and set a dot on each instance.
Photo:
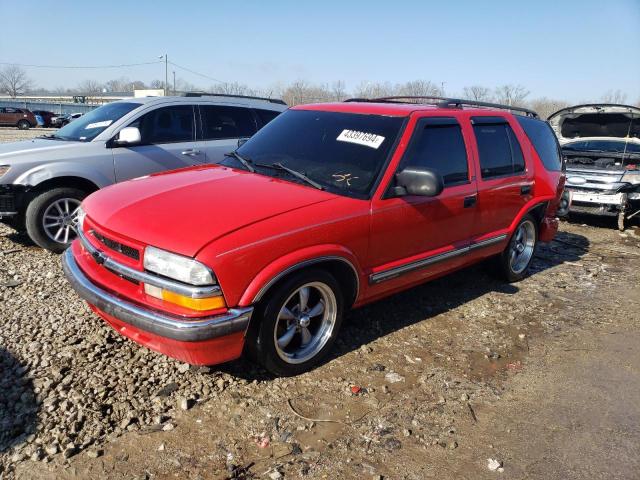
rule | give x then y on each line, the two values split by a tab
7	203
125	250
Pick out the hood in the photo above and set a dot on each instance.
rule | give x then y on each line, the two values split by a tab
13	152
596	120
182	211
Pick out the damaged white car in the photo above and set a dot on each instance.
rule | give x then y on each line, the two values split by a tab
601	144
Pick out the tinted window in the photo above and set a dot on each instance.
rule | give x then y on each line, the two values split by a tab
266	116
343	152
167	125
499	150
439	148
226	122
544	141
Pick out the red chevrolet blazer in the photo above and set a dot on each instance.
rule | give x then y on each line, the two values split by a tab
329	207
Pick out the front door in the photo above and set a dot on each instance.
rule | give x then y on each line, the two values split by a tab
414	237
168	142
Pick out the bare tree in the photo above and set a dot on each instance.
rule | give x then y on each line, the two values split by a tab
156	84
374	90
232	88
478	93
14	80
418	88
511	95
90	87
614	96
338	91
546	106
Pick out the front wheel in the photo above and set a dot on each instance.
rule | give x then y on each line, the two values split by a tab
515	260
51	218
298	323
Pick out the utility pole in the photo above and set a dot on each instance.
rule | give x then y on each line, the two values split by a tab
174	82
166	73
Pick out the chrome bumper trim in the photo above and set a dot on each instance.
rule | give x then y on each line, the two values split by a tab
164	325
155	280
425	262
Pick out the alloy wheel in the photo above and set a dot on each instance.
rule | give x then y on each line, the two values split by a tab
305	322
60	219
522	246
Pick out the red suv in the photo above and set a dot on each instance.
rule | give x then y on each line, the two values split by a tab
329	207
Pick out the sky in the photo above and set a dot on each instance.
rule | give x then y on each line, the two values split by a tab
573	50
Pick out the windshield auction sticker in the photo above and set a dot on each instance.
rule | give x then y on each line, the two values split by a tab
361	138
105	123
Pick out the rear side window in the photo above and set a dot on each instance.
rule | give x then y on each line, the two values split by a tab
544	141
265	116
438	145
226	122
166	125
498	147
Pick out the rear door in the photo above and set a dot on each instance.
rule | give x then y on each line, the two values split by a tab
168	142
413	237
221	127
505	183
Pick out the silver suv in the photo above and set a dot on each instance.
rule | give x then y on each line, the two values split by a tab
43	181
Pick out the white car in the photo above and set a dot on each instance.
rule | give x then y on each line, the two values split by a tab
601	144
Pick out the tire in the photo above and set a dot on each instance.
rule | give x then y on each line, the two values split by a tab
45	203
273	323
514	261
24	125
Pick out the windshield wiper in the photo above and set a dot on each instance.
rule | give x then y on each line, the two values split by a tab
295	173
245	162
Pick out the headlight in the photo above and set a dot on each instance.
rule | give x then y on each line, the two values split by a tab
177	267
632	176
4	169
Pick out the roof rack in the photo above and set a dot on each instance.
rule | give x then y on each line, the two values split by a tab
205	94
445	102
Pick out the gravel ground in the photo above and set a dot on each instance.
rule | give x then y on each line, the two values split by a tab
410	378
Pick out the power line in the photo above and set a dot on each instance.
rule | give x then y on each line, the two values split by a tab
81	66
197	73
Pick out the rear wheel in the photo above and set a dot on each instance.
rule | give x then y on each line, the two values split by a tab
299	323
24	125
51	218
515	260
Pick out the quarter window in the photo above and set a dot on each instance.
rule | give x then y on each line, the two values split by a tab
266	116
438	145
499	150
226	122
544	141
167	125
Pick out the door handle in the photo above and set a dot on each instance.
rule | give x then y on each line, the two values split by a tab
191	152
470	201
525	189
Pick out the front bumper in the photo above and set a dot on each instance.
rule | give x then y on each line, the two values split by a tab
195	341
11	199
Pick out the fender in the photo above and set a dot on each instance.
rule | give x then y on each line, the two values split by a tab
530	205
293	261
48	171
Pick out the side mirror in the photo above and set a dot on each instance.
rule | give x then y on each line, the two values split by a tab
242	141
128	136
418	181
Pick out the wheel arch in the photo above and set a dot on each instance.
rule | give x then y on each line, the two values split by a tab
343	267
65	181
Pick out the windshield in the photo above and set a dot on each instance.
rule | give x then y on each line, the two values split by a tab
90	125
342	152
603	146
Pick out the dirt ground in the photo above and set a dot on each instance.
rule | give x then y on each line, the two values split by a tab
541	376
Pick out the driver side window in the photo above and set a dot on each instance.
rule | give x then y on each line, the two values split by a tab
437	145
167	125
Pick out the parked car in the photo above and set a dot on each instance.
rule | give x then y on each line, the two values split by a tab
46	117
330	206
64	119
43	181
601	143
17	117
